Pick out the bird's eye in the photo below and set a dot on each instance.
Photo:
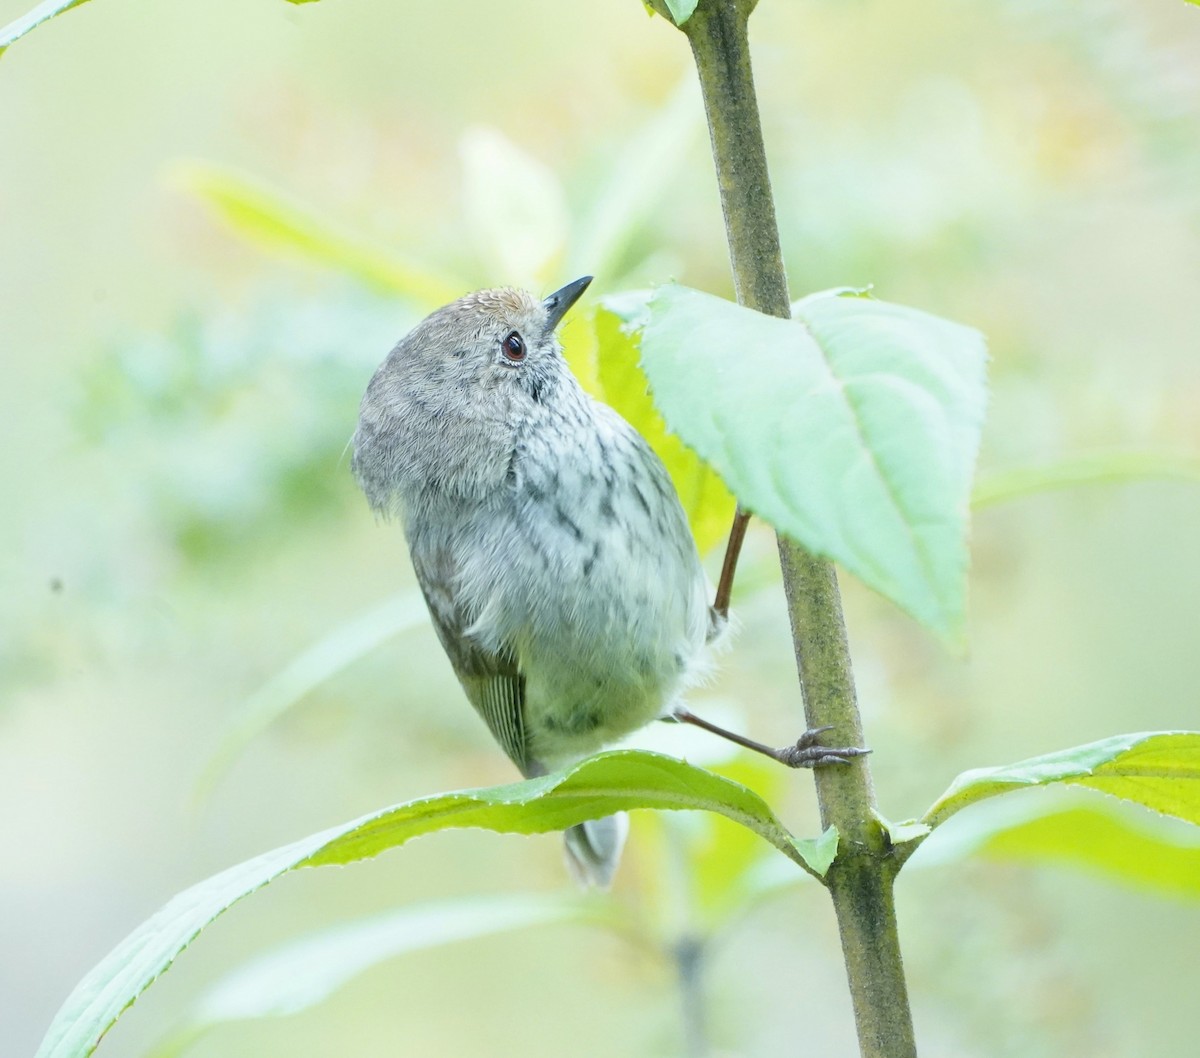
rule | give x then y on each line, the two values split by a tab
513	348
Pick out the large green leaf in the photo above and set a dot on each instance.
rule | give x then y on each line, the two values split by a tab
270	220
599	786
45	11
1160	770
623	385
853	429
306	971
1100	837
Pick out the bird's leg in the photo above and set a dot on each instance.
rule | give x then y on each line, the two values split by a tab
732	549
806	753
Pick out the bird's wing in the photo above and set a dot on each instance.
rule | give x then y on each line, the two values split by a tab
491	679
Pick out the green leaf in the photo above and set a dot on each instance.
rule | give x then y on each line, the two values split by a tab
16	29
906	833
599	786
1160	770
327	657
681	10
308	970
905	838
1092	468
820	852
269	220
1099	837
853	429
623	386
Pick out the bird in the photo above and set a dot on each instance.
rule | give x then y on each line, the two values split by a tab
548	540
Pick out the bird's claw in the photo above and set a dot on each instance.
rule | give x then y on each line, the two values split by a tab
809	753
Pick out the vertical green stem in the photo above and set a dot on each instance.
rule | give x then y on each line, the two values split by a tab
717	33
860	881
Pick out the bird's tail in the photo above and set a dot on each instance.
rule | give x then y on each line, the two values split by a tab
594	849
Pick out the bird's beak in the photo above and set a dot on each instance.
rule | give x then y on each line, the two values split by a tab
557	304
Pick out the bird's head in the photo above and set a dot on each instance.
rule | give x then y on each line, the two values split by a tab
451	392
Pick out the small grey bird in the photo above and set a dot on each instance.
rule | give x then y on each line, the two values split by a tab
546	535
548	541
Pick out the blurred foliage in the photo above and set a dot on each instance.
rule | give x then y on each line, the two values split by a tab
307	970
272	447
1095	836
1091	468
342	647
266	218
234	424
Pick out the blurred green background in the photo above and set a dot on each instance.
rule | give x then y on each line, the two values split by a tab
180	522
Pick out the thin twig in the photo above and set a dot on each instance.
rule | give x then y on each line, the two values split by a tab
733	548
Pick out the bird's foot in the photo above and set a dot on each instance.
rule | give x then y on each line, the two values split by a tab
809	753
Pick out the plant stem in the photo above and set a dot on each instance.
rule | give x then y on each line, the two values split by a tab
687	949
717	34
689	965
860	880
